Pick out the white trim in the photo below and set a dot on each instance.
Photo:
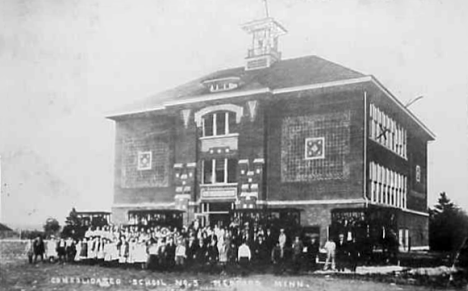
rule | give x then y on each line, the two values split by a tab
243	161
366	177
323	85
306	149
144	205
218	96
259	160
112	115
420	248
402	209
249	194
416	212
235	134
182	196
219	185
221	79
399	104
149	165
227	95
191	165
238	110
178	165
318	202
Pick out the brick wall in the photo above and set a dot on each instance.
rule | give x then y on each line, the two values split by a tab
417	154
132	186
418	227
320	215
339	117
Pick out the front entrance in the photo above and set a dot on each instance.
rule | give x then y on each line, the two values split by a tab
217	213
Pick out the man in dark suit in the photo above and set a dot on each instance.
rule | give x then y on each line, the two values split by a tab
192	247
341	253
39	249
260	253
200	256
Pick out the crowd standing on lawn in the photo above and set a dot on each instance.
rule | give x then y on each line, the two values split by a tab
206	249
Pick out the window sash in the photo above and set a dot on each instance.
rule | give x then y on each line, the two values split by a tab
219	171
218	124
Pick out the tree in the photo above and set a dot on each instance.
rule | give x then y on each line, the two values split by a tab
73	226
51	226
448	225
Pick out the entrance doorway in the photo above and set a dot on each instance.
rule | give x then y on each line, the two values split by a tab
217	213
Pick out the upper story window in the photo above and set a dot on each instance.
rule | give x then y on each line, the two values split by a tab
222	84
217	87
218	123
387	132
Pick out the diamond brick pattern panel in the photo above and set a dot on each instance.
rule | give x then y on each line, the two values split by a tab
157	175
296	162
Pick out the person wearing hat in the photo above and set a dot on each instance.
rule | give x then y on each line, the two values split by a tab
312	253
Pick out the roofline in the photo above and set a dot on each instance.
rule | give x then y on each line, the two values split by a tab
124	113
220	79
403	107
224	95
322	85
227	95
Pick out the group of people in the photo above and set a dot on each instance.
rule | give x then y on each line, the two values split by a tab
210	249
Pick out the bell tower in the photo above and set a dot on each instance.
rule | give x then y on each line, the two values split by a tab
263	51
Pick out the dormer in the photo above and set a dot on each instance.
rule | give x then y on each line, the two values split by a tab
263	51
222	84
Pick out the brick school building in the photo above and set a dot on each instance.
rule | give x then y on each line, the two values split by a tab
301	133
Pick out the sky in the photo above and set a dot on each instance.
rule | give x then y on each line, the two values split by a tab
64	65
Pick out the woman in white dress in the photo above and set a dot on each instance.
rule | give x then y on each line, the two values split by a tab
141	256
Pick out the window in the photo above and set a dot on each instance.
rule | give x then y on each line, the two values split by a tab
144	161
219	123
314	148
386	186
219	171
208	172
224	86
387	132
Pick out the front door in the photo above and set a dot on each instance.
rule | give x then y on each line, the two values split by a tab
220	219
218	213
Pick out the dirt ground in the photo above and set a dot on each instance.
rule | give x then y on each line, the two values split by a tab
20	275
17	274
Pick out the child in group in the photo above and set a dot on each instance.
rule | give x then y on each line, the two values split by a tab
30	250
51	253
122	247
84	250
77	257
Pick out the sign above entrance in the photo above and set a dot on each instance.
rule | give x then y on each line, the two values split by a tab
218	193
